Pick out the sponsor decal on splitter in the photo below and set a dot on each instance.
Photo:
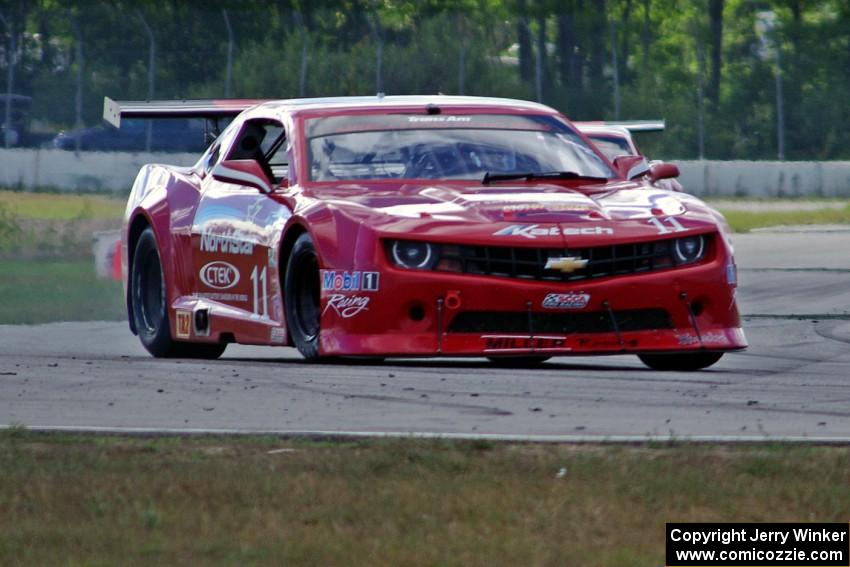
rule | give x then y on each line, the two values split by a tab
333	280
183	324
566	300
347	306
534	230
514	343
219	275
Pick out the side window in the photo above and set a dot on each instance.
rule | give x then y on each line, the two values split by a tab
277	154
263	140
212	159
213	155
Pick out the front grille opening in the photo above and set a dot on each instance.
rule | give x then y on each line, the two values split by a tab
530	263
560	323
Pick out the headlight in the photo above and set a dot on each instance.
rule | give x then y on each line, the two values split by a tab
413	255
689	249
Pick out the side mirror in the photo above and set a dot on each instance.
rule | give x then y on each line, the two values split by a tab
242	172
662	170
631	166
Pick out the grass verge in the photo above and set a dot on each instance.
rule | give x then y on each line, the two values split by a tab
78	500
745	221
61	206
39	291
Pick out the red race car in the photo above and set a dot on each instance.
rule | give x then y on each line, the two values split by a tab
420	226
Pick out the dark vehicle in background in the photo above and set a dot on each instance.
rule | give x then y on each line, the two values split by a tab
17	130
171	135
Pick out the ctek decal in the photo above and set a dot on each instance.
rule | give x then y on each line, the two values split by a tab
232	242
566	300
219	275
183	324
347	306
533	231
565	264
333	280
507	343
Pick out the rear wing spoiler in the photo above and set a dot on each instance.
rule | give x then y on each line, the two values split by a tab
630	125
115	110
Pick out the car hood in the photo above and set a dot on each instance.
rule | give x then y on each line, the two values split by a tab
524	213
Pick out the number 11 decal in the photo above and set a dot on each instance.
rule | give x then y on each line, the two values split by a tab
673	222
260	289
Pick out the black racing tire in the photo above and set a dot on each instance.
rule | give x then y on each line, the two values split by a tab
518	361
148	306
302	297
685	362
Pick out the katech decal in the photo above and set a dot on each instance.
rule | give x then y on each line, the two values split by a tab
231	242
347	306
183	324
533	231
566	300
219	275
333	280
507	343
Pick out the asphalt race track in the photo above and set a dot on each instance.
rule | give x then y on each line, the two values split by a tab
792	383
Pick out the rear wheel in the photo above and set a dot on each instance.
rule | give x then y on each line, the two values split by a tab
683	362
149	309
518	361
301	297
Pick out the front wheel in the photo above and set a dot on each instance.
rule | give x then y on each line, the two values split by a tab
302	297
683	362
149	309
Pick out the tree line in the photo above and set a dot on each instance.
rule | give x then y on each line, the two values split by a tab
734	79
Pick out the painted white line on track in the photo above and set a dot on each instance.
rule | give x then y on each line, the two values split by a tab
318	434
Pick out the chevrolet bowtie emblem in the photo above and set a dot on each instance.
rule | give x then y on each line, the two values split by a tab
566	264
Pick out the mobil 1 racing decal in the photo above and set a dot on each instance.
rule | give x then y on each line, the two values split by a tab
532	231
569	300
339	280
347	306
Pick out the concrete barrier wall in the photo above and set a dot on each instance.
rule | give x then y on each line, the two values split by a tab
115	171
88	171
766	178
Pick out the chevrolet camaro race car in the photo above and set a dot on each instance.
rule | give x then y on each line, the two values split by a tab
420	226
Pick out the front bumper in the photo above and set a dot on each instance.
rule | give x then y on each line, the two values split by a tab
423	313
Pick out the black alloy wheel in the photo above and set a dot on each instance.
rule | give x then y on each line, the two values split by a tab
302	295
148	306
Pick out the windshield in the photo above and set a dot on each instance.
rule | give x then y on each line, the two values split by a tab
611	146
399	146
